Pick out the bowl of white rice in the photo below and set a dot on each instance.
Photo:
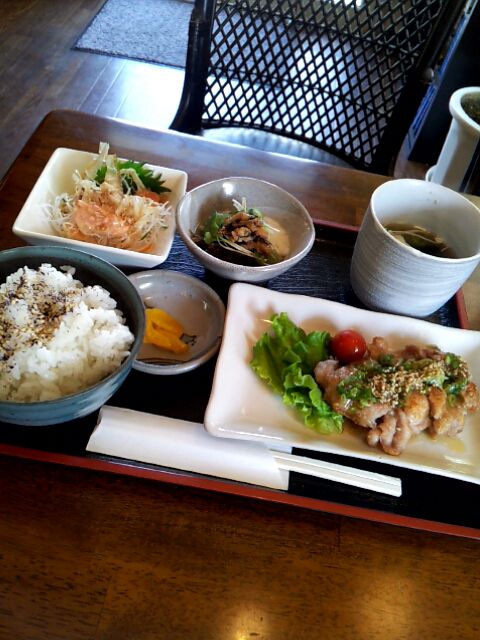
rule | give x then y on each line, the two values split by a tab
71	325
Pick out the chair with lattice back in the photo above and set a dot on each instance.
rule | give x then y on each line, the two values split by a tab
344	77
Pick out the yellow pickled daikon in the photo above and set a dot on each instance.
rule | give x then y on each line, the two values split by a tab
163	331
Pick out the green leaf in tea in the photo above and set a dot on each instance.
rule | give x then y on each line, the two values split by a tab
421	239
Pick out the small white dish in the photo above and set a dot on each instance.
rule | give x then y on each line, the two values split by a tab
191	302
242	406
33	226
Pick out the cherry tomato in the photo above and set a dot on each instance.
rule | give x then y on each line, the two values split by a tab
348	346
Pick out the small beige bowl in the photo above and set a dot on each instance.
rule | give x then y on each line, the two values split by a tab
198	204
388	275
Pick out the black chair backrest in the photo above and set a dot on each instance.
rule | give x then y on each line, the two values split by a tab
346	76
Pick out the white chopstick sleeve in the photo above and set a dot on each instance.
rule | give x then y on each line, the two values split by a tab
179	444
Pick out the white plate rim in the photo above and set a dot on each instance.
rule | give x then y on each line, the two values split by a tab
267	420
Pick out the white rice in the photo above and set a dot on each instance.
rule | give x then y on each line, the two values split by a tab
57	337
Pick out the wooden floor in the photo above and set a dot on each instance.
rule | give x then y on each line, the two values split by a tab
41	71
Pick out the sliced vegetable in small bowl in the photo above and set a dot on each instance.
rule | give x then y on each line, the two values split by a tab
244	228
119	210
244	235
114	203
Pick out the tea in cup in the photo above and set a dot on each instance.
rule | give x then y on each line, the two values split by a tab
417	245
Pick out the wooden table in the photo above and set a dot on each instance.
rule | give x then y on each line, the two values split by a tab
86	554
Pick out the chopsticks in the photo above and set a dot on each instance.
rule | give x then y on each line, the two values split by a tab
339	473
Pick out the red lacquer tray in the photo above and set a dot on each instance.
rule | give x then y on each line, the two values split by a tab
323	273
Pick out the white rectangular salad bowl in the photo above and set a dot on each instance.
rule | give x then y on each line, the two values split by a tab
242	406
33	226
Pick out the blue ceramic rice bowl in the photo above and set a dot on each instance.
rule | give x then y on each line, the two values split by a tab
89	270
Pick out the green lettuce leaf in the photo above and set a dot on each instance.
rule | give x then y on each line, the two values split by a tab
285	361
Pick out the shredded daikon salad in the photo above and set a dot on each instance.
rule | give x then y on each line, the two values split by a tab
116	203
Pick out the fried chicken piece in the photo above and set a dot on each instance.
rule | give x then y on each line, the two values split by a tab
328	374
377	348
471	397
396	428
417	411
438	402
450	423
449	419
393	433
368	416
418	353
391	422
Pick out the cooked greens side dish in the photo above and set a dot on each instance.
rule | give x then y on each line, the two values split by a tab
241	235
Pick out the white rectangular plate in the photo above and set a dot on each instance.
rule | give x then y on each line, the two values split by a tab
33	226
242	406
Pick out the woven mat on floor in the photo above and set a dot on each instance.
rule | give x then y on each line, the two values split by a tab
148	30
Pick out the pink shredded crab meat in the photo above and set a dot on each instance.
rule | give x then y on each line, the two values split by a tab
118	212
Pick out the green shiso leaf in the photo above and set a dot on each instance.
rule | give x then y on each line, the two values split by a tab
150	180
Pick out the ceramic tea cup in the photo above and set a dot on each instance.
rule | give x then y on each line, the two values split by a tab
388	275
